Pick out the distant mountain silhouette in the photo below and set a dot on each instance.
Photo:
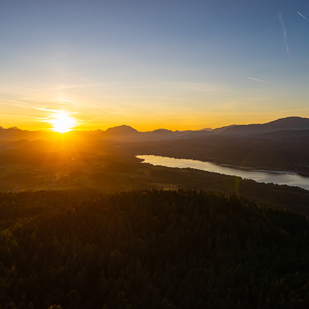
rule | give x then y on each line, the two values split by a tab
14	134
222	129
127	133
120	130
162	131
15	145
121	133
289	123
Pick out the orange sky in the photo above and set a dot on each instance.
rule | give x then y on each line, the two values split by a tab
44	119
177	65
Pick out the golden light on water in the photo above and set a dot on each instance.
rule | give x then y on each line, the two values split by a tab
62	122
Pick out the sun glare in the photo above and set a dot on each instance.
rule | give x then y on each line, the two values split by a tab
62	122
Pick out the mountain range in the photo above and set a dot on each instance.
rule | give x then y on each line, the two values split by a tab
286	124
127	133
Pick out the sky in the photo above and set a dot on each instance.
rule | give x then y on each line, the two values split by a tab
173	64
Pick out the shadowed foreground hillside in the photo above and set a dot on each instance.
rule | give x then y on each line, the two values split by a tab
150	249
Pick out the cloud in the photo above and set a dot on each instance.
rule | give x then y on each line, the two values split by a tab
45	109
302	16
19	116
71	86
284	35
262	81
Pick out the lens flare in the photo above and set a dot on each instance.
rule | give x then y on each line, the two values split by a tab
62	122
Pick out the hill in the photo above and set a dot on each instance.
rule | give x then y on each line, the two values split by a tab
119	131
289	123
129	134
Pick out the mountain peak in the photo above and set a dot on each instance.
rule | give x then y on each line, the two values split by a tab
288	123
123	129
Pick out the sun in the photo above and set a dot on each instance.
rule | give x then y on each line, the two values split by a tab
62	122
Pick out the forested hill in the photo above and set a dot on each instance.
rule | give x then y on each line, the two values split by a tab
150	249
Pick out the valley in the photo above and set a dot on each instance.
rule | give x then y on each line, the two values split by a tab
110	165
86	222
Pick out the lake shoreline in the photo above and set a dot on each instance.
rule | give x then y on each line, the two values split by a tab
280	177
244	168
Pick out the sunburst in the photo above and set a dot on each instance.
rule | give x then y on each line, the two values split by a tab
62	122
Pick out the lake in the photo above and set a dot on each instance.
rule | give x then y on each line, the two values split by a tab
281	178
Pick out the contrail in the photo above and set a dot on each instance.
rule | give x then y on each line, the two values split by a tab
262	81
303	16
284	35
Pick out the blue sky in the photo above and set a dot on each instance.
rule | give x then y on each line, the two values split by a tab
152	64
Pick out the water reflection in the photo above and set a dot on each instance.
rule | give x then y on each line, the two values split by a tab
281	178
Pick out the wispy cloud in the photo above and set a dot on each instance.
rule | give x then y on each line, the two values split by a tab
46	109
303	16
284	35
20	116
71	86
53	110
262	81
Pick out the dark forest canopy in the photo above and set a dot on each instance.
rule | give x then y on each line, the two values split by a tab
150	249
